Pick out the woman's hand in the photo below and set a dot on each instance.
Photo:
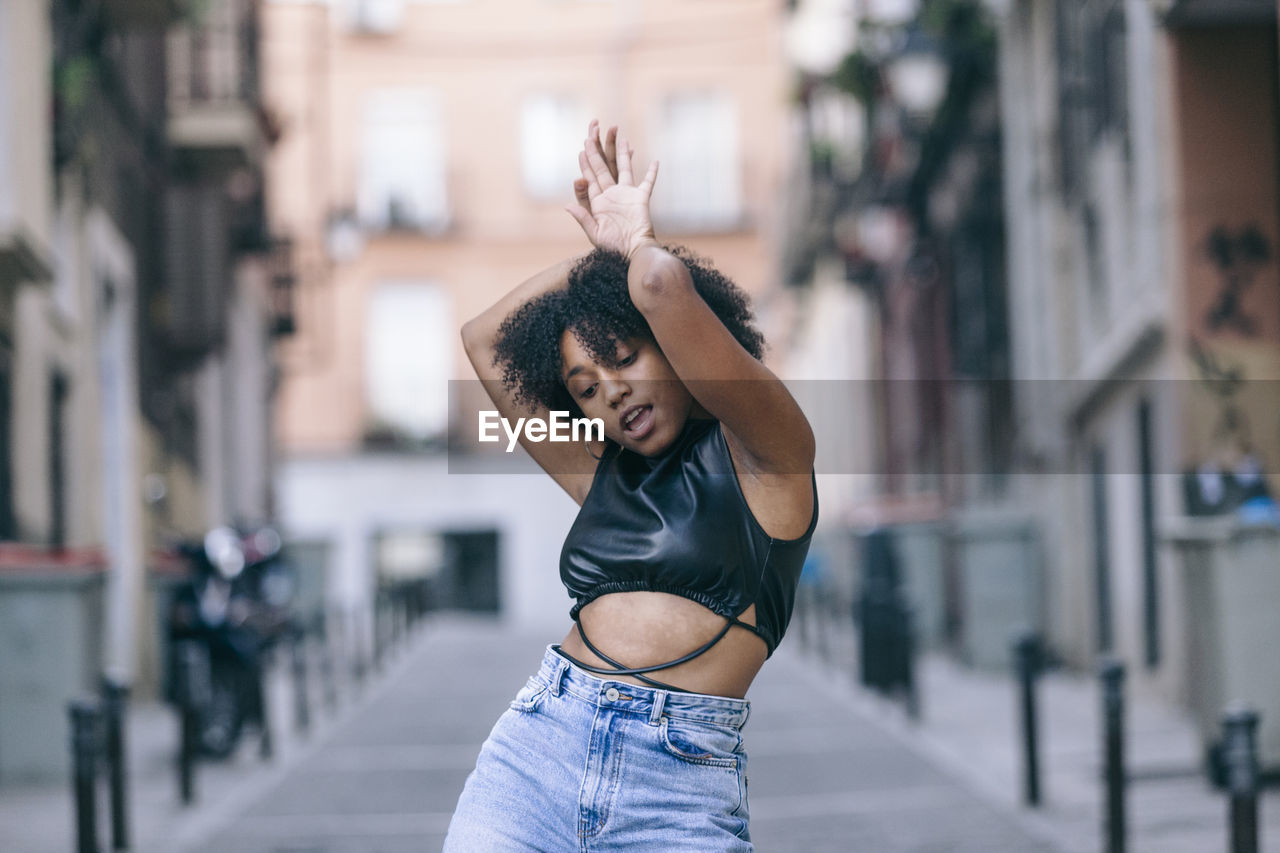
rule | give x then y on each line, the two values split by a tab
611	208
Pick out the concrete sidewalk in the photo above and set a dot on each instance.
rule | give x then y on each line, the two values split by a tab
970	725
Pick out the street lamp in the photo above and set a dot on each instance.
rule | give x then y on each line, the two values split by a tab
880	232
344	237
918	75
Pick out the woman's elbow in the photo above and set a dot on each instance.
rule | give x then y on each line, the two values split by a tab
474	337
659	284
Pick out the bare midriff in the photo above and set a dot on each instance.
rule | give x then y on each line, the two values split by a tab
640	629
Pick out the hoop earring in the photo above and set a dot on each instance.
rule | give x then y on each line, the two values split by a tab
592	455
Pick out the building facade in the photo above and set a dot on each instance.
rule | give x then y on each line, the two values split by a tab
136	340
428	151
1140	165
1071	256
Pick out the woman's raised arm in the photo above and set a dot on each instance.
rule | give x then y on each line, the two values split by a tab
567	462
745	396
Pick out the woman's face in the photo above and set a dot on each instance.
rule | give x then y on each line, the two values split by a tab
642	402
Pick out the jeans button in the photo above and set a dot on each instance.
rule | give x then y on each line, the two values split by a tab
611	694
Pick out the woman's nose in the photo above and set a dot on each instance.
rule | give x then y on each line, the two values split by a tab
615	390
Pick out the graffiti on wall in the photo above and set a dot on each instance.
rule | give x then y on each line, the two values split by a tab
1229	470
1223	380
1238	256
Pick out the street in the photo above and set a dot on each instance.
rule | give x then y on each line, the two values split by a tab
822	777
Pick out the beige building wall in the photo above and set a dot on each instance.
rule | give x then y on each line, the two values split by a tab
499	93
26	189
478	60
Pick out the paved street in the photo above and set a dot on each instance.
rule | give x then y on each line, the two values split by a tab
823	777
833	768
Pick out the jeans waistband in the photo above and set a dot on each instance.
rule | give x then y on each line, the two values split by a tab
562	677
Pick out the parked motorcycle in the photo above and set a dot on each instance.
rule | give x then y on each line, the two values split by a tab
235	604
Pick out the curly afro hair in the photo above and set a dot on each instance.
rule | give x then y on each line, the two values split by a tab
597	308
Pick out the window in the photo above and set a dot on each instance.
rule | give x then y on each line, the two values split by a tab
699	184
1093	98
552	128
1101	548
59	392
408	360
402	166
1150	537
375	17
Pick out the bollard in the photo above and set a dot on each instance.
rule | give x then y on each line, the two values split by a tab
1027	662
379	630
820	624
800	615
321	630
266	744
193	691
115	696
910	687
393	601
357	644
1112	672
301	712
1241	759
84	776
397	612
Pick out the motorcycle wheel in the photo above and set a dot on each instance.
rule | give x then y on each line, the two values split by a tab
224	718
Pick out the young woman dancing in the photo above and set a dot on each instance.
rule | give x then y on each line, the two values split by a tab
696	514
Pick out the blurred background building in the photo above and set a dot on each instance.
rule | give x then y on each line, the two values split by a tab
138	285
1060	217
428	150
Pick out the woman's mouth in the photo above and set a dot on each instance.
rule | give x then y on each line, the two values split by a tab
637	422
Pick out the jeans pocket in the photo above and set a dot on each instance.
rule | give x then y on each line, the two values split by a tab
529	697
701	743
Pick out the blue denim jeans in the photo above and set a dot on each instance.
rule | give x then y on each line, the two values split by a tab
581	763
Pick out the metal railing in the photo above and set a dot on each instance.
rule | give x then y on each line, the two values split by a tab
214	60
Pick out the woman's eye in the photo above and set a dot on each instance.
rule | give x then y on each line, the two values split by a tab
627	360
589	391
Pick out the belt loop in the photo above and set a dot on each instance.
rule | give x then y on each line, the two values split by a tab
558	678
659	700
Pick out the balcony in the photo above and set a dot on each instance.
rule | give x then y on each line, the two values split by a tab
1197	13
144	12
215	119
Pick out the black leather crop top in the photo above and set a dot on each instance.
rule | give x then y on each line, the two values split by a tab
679	523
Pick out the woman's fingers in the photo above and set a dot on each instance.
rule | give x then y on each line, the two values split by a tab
649	177
588	175
584	219
611	151
595	158
624	163
580	193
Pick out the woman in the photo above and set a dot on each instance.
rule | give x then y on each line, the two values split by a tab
696	514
